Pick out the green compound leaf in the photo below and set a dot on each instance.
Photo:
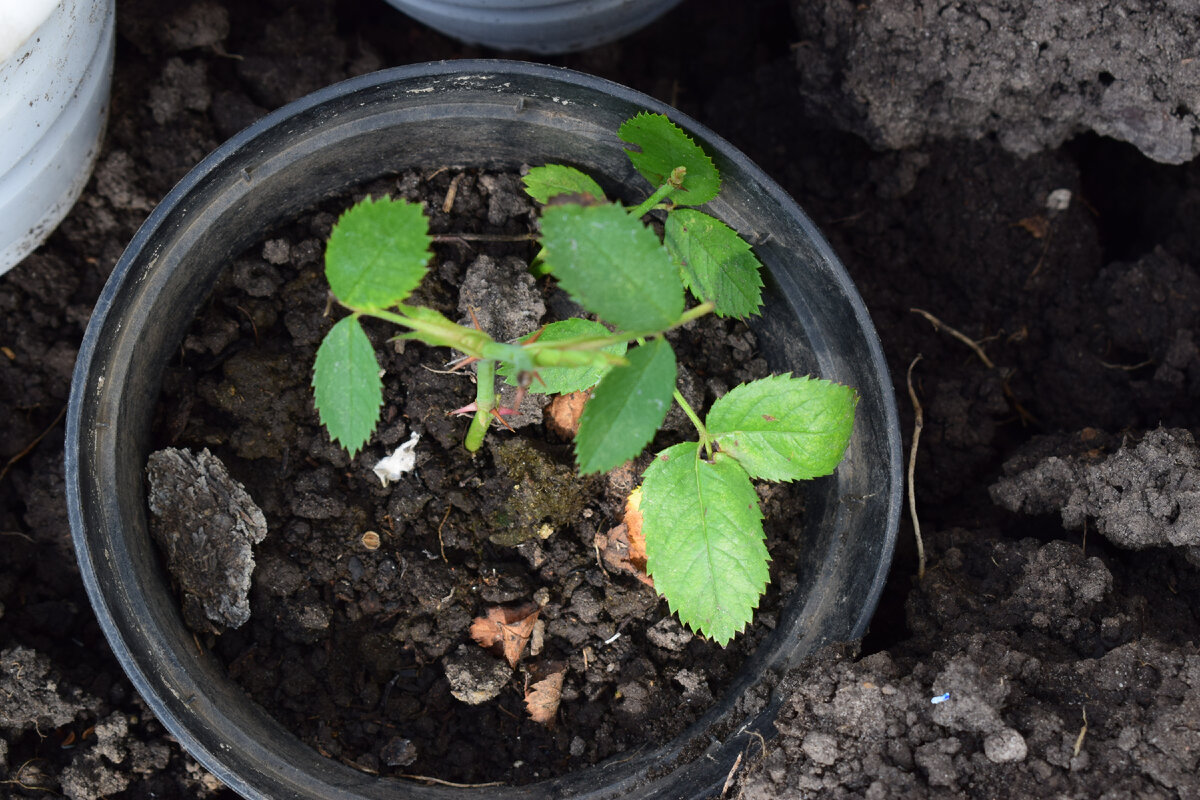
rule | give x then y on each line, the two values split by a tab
377	253
346	385
626	409
612	265
664	146
783	428
704	540
564	380
717	264
542	183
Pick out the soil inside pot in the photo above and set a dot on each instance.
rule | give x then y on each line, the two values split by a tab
363	594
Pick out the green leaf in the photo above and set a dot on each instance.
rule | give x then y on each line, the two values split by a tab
717	263
542	183
664	146
783	428
612	265
626	409
346	385
377	253
704	540
564	380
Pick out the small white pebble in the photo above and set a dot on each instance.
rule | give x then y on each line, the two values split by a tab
1005	746
403	460
1059	200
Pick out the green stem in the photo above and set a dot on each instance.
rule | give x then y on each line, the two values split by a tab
445	333
687	409
694	312
650	202
485	401
599	342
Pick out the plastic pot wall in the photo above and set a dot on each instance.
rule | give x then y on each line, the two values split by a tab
495	114
55	73
536	26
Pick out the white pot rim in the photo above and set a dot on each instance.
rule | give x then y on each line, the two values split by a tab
19	21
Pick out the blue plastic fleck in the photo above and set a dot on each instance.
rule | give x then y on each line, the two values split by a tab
941	698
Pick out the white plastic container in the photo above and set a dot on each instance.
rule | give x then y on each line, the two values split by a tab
536	26
55	73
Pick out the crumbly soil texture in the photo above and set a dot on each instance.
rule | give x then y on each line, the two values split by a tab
1056	480
364	594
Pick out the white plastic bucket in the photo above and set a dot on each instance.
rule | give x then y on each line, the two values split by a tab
55	74
536	26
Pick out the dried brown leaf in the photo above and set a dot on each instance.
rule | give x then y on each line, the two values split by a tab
563	412
633	525
1037	226
506	629
623	548
542	697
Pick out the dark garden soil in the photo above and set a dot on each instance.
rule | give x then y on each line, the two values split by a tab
1056	480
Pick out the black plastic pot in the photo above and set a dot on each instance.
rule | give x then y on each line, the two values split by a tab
465	113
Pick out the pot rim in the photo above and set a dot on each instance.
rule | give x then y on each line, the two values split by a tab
132	273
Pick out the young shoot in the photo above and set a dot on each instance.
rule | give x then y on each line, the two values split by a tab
702	524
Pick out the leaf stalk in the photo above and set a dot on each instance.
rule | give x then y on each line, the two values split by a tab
705	439
660	194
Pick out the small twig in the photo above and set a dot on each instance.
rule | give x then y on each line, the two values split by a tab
220	51
253	327
851	218
503	710
962	337
357	766
441	782
729	778
16	779
441	545
455	371
1082	733
1041	258
918	424
451	193
1022	412
26	786
1127	367
29	448
599	560
482	237
762	743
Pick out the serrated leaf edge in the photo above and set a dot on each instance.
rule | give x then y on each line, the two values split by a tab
707	158
370	201
717	435
318	391
684	614
721	309
584	434
571	282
